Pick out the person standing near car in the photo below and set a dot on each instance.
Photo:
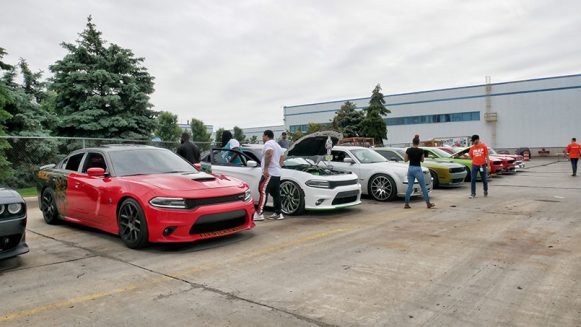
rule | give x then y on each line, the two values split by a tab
230	143
480	161
271	163
188	150
415	156
283	142
574	150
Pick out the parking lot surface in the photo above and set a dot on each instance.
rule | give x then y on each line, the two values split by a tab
513	258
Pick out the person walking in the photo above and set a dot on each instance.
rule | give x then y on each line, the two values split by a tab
574	150
415	156
271	163
283	142
480	162
188	150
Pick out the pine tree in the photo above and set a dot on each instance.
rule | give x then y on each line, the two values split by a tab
168	129
5	100
102	91
218	139
348	120
373	124
239	134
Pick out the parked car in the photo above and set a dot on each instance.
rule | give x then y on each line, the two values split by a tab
518	159
304	184
12	224
380	178
444	174
144	194
443	156
501	165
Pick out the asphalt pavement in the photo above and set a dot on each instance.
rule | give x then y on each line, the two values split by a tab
511	259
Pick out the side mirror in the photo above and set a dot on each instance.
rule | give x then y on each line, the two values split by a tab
197	166
96	172
251	163
348	160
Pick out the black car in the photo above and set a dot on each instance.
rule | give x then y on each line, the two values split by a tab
12	224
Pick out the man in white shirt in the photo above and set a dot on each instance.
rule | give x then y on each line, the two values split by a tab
271	163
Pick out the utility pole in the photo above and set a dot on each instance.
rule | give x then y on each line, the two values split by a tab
490	116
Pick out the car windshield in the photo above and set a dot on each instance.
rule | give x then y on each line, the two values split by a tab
440	153
297	161
148	161
401	152
491	151
367	156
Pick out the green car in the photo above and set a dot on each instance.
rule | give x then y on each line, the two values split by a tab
435	154
445	174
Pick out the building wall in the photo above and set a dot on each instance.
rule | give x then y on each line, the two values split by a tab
258	131
544	112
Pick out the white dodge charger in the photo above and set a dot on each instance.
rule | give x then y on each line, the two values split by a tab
304	184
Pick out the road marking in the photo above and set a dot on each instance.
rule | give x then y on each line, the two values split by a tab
148	283
27	313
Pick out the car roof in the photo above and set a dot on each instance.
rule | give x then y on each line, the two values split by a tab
349	147
117	147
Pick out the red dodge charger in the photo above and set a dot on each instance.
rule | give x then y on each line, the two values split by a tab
144	194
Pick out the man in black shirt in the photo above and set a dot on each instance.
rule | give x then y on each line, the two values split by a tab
415	156
188	150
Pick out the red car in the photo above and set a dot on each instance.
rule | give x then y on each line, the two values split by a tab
144	194
518	160
497	164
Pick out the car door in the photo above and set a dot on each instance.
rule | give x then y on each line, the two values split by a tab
338	161
66	193
90	189
221	164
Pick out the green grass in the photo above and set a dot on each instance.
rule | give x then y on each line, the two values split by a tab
30	191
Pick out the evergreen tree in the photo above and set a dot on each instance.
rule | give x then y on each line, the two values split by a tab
253	139
199	131
314	127
348	120
239	134
168	129
102	91
218	138
5	100
373	124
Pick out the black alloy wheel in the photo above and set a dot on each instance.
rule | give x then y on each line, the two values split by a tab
48	207
132	224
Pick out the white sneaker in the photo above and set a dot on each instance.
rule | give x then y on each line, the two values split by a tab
472	196
258	217
276	216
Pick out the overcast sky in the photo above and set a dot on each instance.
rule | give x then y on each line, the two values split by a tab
238	62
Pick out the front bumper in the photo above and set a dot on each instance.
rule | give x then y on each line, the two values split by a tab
454	180
200	223
329	199
417	190
13	237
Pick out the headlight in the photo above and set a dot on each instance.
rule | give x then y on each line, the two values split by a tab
169	203
318	183
1	209
247	196
14	208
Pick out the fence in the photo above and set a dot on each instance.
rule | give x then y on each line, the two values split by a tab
24	154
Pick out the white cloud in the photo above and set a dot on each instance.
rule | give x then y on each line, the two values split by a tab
238	62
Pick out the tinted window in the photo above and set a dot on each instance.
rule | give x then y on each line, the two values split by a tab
148	161
389	155
74	162
94	160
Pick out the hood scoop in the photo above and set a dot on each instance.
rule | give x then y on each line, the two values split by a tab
200	177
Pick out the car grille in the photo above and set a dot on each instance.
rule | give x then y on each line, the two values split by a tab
9	242
345	197
457	180
219	221
334	184
511	162
456	170
497	163
194	203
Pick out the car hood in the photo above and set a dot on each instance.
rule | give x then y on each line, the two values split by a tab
397	166
445	164
314	144
185	181
9	196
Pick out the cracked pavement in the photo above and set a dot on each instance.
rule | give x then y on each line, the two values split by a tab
510	259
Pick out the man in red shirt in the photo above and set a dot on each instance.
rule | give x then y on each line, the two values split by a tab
573	150
480	161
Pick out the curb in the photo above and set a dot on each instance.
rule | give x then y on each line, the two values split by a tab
31	201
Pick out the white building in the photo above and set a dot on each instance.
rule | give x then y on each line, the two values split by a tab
258	131
543	112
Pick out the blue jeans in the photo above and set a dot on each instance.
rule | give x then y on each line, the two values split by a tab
415	172
474	176
574	165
